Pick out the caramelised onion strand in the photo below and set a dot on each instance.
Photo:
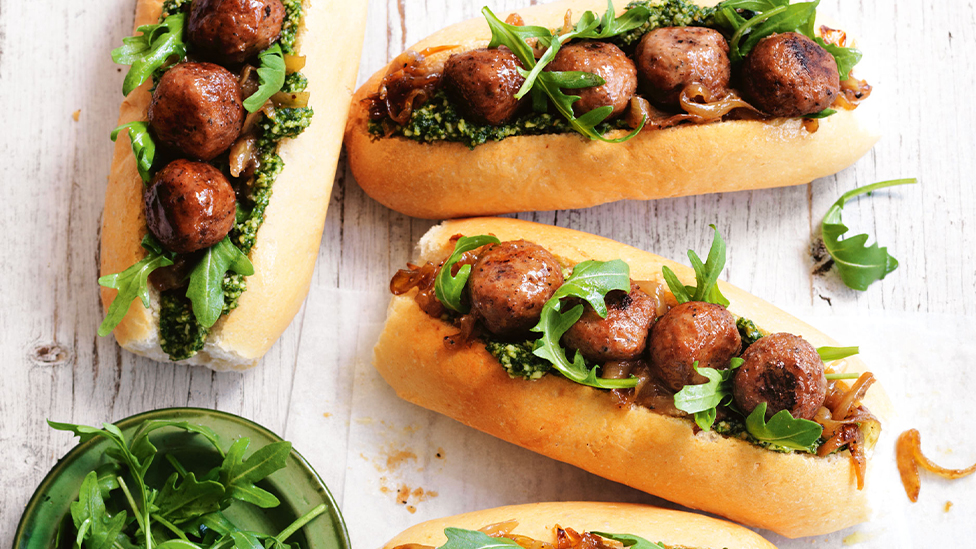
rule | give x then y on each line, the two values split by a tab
290	100
699	101
908	456
243	154
855	394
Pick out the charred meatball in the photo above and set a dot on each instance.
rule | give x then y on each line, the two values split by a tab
510	283
189	206
790	75
622	335
785	372
670	58
231	31
692	331
607	61
484	82
197	109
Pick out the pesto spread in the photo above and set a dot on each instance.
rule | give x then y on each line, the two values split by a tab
180	335
518	360
440	120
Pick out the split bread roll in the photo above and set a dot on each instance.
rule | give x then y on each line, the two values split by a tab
288	241
538	521
794	494
562	171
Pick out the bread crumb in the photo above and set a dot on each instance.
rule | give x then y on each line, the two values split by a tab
364	420
412	509
948	505
857	537
76	115
439	454
396	459
327	414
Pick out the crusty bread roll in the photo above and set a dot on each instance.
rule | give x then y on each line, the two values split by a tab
550	172
792	494
538	520
288	241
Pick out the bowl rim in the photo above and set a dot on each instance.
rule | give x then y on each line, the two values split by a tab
342	532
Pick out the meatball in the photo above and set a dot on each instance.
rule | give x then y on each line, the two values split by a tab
790	75
622	335
510	283
670	58
231	31
189	206
197	109
692	331
607	61
484	82
785	372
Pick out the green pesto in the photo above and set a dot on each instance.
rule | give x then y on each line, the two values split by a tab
180	335
295	82
173	6
518	360
440	120
670	13
749	332
289	27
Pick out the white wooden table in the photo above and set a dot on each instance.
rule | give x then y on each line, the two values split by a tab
315	388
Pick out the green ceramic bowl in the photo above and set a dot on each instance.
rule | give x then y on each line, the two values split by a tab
297	486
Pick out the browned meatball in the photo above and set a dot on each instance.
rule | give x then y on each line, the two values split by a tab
483	83
607	61
790	75
231	31
670	58
622	335
692	331
189	206
510	283
785	372
197	109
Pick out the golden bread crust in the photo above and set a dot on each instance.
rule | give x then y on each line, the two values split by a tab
792	494
549	172
538	520
288	241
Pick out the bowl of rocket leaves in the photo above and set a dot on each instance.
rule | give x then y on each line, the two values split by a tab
181	478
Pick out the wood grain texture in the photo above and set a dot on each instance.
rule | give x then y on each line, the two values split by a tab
54	61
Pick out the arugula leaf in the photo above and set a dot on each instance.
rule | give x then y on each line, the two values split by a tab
857	264
238	475
546	83
771	17
447	287
822	114
189	500
630	540
143	146
828	354
458	538
150	50
245	540
591	281
706	276
95	526
132	283
206	291
784	430
703	400
271	75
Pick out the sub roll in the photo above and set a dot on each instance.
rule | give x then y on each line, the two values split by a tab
574	525
228	139
637	369
569	105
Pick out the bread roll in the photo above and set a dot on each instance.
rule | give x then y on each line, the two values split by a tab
562	171
538	520
793	494
288	241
